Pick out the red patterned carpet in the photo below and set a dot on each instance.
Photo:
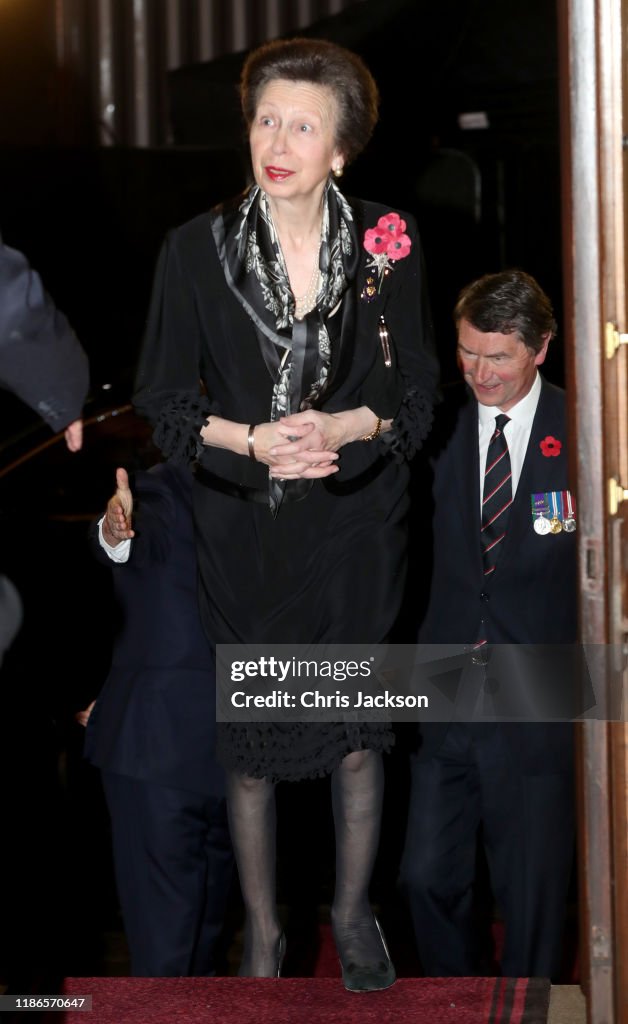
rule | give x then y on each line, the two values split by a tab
307	1001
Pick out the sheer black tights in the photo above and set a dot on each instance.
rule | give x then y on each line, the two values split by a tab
357	787
253	827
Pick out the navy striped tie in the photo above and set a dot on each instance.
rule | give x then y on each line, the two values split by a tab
496	496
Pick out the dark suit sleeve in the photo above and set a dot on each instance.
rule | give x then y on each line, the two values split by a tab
95	546
167	382
41	360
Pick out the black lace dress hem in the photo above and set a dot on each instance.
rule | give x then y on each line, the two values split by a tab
296	751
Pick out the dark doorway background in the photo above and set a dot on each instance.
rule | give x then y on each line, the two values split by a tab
91	218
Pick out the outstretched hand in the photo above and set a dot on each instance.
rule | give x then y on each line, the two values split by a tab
117	524
82	717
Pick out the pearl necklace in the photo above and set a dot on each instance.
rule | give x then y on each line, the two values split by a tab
305	303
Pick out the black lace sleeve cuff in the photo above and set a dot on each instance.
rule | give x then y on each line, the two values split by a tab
410	426
178	430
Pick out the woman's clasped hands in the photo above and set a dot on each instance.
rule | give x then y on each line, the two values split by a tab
312	442
301	446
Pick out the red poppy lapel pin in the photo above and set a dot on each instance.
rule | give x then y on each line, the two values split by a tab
387	242
550	446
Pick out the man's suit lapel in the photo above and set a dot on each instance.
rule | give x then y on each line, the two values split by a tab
467	478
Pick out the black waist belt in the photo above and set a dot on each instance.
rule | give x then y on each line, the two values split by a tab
241	491
330	483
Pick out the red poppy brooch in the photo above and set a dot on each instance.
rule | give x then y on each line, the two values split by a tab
550	446
387	242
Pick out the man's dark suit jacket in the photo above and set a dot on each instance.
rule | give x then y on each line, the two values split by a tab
531	598
155	717
41	360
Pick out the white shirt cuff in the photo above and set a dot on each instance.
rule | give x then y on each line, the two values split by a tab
122	550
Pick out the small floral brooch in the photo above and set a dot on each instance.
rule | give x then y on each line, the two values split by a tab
550	446
387	242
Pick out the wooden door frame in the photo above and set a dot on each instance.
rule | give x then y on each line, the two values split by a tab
590	63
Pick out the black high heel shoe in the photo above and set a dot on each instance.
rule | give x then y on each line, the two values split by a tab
369	977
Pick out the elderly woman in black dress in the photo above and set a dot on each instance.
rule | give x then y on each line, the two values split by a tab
288	354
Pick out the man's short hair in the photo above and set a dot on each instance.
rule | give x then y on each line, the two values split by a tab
509	302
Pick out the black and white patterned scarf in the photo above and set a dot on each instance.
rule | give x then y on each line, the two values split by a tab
297	353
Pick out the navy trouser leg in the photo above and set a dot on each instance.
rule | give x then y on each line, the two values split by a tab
529	836
519	785
172	858
438	862
220	869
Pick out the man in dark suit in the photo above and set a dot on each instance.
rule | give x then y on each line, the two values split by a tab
43	364
504	573
152	734
41	360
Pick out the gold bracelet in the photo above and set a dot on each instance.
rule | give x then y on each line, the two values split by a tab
374	433
251	442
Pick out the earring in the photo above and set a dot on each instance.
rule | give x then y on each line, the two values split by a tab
337	171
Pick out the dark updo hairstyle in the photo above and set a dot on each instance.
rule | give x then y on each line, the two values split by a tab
319	62
509	302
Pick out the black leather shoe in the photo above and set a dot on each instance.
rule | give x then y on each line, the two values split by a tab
370	977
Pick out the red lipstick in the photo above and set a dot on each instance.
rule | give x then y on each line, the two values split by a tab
277	173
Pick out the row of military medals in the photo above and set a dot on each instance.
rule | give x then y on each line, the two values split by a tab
553	512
